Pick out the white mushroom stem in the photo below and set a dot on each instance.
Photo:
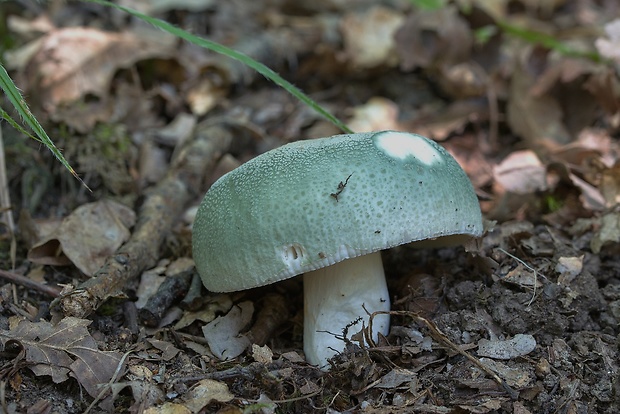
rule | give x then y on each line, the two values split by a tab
339	295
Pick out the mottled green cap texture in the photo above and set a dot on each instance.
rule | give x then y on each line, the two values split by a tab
310	204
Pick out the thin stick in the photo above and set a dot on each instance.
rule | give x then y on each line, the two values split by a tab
29	283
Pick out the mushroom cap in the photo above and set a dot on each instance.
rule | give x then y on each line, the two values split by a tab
310	204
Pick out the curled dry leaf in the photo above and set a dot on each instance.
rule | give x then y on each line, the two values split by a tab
76	61
86	237
62	350
521	173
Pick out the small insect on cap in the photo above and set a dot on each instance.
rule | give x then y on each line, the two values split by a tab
310	204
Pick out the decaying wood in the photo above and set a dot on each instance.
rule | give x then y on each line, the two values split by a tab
193	299
162	207
170	291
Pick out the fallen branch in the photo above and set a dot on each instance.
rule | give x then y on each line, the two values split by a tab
162	207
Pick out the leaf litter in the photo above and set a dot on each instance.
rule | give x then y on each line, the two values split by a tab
63	350
525	322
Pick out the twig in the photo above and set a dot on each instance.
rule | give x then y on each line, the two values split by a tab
130	314
29	283
170	291
162	207
193	299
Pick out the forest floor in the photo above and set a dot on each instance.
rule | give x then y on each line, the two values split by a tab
525	94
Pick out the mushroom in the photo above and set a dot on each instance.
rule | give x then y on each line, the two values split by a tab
326	208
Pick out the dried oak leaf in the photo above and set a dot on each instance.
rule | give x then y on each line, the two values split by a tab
86	237
62	350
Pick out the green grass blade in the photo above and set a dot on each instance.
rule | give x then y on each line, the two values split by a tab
4	115
233	54
547	41
19	103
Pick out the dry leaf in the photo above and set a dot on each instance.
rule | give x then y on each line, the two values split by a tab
369	36
396	378
76	61
610	185
610	48
536	118
608	232
568	268
591	197
217	305
168	408
168	351
521	173
433	39
62	350
86	237
204	392
514	376
262	354
224	334
377	114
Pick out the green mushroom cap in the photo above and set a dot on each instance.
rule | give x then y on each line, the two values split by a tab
310	204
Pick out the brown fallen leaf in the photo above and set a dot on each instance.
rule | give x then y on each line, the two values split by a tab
537	118
433	38
204	392
521	173
64	350
76	61
86	237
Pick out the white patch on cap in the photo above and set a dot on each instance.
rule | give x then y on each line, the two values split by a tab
402	145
